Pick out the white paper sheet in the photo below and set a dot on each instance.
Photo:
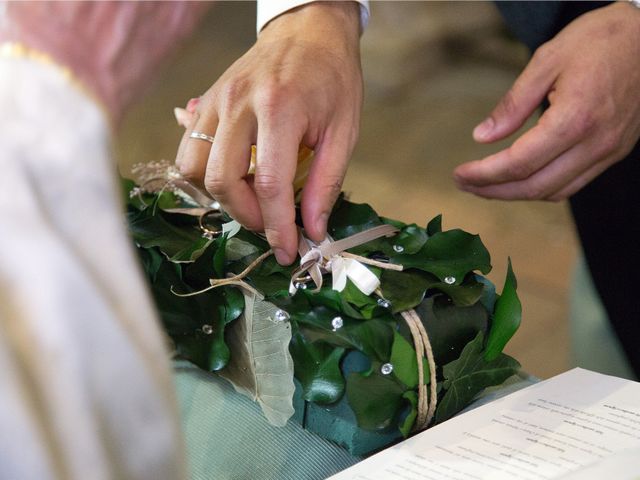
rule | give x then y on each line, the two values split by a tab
577	425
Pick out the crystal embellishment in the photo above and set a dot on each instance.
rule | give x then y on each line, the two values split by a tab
450	280
386	368
281	316
337	323
300	285
384	303
207	329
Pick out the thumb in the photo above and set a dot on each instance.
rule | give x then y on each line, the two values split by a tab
518	104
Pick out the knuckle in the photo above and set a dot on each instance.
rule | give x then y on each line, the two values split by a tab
234	89
520	169
275	236
277	98
216	186
267	186
189	170
509	103
533	191
609	143
544	53
582	122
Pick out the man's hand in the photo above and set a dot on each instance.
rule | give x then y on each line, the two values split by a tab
591	74
300	83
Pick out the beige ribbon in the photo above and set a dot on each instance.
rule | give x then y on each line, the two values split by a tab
330	256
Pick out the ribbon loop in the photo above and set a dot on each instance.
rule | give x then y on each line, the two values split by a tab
330	256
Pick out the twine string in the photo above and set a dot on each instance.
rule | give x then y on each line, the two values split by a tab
426	402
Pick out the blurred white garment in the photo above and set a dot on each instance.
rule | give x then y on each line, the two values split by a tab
85	384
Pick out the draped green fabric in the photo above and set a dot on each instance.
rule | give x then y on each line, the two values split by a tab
228	437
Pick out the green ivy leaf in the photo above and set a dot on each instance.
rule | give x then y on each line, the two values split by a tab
411	238
407	289
404	361
219	256
349	218
407	424
506	318
233	304
209	352
151	261
152	230
332	299
317	367
469	375
450	328
373	337
453	253
435	225
375	399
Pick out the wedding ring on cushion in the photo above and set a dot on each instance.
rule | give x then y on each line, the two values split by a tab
201	136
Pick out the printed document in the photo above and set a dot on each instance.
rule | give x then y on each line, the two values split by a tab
579	425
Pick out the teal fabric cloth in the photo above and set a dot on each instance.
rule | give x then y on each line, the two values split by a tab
228	438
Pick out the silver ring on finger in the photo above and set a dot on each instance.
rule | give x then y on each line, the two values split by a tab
201	136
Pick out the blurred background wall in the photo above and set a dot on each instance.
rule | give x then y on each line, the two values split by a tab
433	70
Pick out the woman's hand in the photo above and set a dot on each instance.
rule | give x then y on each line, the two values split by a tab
301	83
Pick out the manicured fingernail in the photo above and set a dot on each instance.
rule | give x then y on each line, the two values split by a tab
281	256
182	116
484	129
192	104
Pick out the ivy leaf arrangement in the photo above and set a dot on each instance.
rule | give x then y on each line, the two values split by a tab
442	280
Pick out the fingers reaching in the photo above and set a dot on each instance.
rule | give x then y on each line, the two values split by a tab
520	101
276	160
193	153
325	182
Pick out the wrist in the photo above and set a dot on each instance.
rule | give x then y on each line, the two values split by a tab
323	21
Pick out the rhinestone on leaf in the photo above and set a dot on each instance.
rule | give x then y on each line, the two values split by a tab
337	323
281	316
398	248
449	280
386	368
207	329
300	285
384	303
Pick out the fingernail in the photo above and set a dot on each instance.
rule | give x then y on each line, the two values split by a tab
192	104
484	128
182	116
281	256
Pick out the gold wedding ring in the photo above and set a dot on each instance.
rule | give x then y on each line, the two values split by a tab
201	136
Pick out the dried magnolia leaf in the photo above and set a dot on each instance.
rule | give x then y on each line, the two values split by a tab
237	249
261	366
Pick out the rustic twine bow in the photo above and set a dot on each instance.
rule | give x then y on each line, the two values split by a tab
330	256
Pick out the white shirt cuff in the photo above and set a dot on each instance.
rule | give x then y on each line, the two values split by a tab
270	9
